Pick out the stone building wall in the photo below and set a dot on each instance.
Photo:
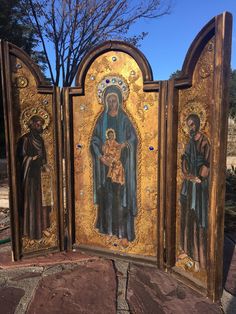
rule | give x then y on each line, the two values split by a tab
231	148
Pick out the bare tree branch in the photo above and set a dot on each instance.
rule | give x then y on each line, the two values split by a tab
74	26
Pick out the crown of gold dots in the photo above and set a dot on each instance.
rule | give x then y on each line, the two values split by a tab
112	80
193	108
29	112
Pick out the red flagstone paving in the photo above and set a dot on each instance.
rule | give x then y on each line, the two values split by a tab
89	288
73	282
98	286
9	299
152	291
230	266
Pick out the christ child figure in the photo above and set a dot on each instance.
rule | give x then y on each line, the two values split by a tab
111	157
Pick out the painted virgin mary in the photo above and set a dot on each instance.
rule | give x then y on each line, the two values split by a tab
115	199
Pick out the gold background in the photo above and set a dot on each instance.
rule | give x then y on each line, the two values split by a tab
198	100
146	126
25	95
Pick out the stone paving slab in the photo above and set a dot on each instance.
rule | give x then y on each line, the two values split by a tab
85	287
3	168
141	296
101	286
89	288
9	299
4	192
153	291
22	279
228	303
121	269
229	272
5	234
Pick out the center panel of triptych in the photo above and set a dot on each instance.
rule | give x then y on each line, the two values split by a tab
115	127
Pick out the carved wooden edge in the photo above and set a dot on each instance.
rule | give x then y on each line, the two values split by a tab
69	167
6	50
42	85
78	90
161	174
114	45
182	277
171	172
193	54
58	188
58	158
70	204
221	27
106	253
219	114
10	148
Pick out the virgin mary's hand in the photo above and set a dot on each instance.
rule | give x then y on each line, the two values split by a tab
123	145
103	160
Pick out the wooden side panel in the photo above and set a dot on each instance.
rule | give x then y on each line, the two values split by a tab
201	109
9	133
69	168
219	118
32	115
171	163
162	173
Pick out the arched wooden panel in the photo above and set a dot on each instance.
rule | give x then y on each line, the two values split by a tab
198	110
34	155
123	66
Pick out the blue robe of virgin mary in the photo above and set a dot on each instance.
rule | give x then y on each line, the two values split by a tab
117	204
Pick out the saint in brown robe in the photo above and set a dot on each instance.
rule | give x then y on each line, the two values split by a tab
32	157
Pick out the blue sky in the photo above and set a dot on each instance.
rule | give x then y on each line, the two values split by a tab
170	36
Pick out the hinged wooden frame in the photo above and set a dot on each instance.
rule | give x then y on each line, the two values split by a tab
79	90
8	50
218	30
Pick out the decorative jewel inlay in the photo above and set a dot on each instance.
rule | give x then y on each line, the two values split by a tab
112	80
210	46
145	107
114	59
21	82
18	65
205	70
